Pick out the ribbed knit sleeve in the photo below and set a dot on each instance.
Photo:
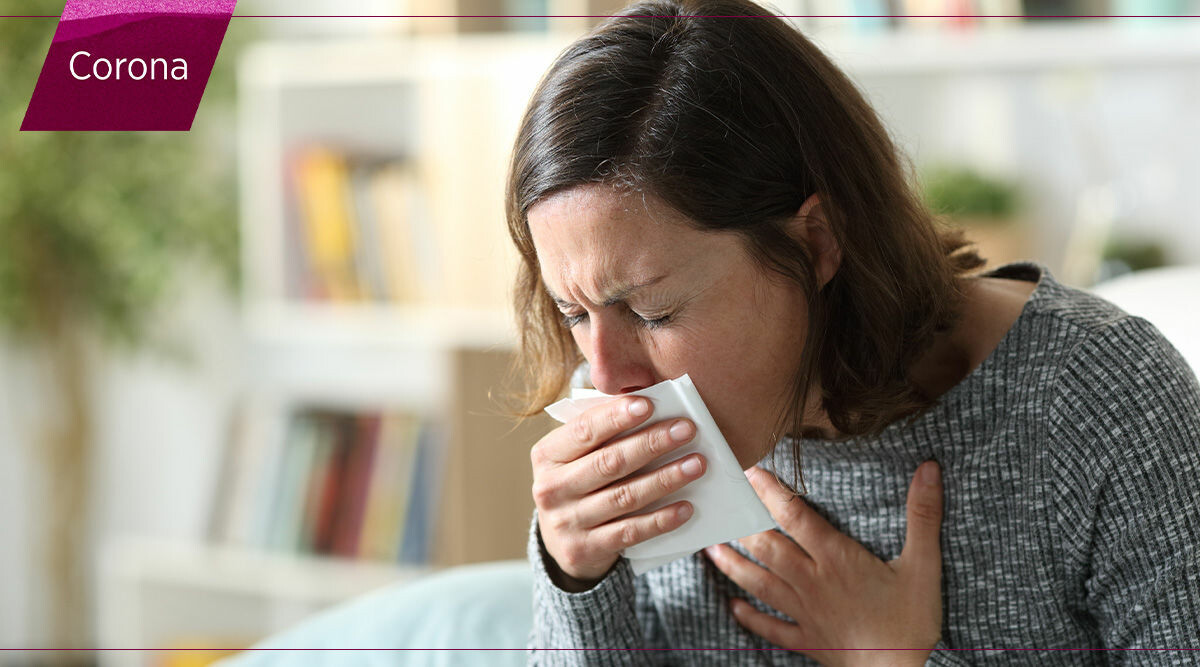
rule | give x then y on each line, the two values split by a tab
1125	428
568	628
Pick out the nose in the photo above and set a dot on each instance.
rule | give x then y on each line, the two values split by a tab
619	363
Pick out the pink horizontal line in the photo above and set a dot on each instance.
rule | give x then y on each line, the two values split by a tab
731	16
210	650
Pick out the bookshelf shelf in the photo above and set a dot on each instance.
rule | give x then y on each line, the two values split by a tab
354	324
349	355
240	571
160	594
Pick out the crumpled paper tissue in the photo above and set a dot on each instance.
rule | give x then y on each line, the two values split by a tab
725	506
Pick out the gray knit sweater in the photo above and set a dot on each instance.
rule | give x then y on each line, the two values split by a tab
1071	464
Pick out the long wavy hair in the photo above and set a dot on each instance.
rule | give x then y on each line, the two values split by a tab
735	122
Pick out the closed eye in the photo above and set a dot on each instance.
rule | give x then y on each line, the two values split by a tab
569	321
652	323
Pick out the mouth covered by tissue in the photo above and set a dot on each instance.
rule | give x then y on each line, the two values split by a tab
725	506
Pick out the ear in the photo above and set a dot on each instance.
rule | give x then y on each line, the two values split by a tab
811	228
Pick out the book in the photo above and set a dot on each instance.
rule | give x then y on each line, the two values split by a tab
262	462
963	14
298	279
369	252
255	448
387	495
925	14
403	482
393	194
291	484
323	191
417	539
357	229
359	466
315	479
870	16
996	13
353	485
331	490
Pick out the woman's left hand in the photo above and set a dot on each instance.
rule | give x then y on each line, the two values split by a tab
841	595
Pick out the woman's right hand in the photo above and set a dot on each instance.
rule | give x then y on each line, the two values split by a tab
580	487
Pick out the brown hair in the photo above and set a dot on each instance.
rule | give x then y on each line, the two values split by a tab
735	122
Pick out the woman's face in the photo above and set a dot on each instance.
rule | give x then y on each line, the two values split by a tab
649	298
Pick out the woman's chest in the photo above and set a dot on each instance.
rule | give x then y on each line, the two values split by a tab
1003	582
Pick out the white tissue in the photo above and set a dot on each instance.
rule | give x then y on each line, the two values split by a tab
725	506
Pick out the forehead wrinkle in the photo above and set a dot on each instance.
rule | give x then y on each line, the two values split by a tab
620	290
576	274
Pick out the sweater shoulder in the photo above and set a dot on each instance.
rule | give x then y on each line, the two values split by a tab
1122	410
1057	318
1118	373
1080	312
1108	380
1121	390
1089	335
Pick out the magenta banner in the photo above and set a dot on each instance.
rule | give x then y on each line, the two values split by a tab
128	65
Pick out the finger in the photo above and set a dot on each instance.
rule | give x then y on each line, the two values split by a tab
781	555
775	630
626	532
624	456
922	550
598	425
810	530
625	496
756	581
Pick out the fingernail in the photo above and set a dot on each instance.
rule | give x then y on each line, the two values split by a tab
929	473
681	431
712	552
639	407
684	511
691	466
750	472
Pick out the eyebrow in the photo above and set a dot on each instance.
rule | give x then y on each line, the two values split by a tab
612	299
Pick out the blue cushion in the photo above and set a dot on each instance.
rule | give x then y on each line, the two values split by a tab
484	606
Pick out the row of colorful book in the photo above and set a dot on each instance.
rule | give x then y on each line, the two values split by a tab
338	484
357	228
868	16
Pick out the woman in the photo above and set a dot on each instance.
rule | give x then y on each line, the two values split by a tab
712	196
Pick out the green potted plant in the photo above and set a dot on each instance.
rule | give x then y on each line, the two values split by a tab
1126	253
986	207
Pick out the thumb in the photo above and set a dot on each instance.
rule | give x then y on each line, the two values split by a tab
922	551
